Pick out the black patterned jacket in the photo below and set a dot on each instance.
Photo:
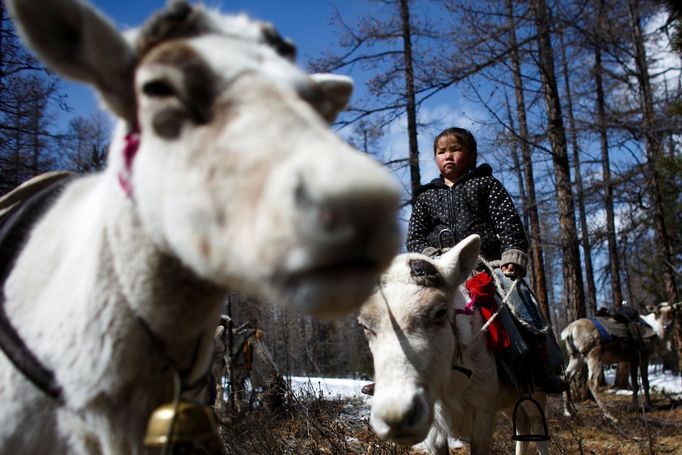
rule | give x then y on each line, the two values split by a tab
476	204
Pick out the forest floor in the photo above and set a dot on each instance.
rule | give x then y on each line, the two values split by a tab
657	432
320	425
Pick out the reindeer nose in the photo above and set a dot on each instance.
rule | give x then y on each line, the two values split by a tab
328	217
357	216
400	418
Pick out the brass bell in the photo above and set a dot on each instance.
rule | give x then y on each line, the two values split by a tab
192	424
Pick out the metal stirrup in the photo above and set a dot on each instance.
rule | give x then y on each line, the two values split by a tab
529	437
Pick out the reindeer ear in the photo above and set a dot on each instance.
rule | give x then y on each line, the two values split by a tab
459	261
336	91
76	41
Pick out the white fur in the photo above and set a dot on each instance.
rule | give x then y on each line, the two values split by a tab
239	201
418	394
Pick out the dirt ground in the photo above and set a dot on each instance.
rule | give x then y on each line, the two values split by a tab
658	432
320	426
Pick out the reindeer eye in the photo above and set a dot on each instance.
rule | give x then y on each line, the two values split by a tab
157	88
440	315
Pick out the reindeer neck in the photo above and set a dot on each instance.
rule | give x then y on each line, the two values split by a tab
156	286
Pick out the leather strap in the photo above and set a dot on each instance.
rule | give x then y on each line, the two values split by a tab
15	227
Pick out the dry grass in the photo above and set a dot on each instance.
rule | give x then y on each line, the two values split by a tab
312	424
309	424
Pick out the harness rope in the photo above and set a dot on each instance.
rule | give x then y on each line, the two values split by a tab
504	302
527	394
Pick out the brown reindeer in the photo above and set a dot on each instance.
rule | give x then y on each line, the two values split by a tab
585	345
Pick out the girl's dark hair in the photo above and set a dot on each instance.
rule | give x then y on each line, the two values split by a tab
464	136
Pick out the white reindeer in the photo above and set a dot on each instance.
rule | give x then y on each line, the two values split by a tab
434	374
585	345
222	173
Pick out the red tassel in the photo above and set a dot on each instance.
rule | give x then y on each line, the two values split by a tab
497	337
482	288
482	291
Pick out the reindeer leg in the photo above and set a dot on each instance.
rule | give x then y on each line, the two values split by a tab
537	426
644	374
575	363
634	367
436	441
529	421
594	367
565	397
523	426
482	434
543	447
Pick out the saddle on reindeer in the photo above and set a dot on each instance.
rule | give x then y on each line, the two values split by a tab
526	351
625	328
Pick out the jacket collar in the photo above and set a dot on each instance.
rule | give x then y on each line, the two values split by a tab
439	182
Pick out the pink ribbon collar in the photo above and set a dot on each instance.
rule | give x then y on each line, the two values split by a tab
130	148
468	309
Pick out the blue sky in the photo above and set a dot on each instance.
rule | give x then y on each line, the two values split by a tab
306	22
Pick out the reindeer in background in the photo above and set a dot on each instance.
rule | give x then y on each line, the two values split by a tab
587	345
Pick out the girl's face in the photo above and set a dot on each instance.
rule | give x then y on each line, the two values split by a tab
452	157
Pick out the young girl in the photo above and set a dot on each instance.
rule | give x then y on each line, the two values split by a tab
466	200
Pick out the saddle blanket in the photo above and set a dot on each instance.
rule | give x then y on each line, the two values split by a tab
615	329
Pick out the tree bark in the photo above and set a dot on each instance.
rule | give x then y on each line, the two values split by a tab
535	245
654	150
580	193
410	101
614	263
572	276
518	171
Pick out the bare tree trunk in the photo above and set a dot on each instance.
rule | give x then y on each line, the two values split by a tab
535	246
572	276
411	105
626	267
654	148
580	193
654	151
519	176
614	263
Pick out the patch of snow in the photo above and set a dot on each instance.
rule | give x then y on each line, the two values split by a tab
660	381
622	392
330	387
